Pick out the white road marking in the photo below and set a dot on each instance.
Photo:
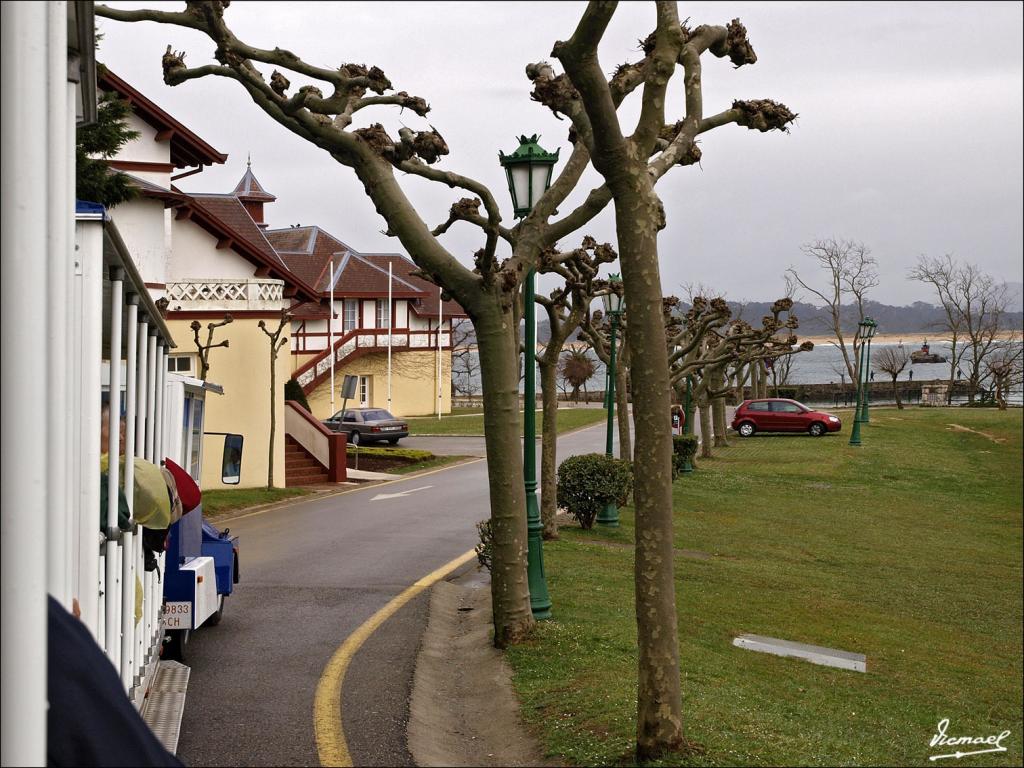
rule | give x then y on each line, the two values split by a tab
381	496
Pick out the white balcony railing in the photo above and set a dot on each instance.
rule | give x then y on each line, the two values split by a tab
252	294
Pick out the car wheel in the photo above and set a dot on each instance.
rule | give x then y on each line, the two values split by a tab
393	440
817	429
746	429
214	619
353	437
175	648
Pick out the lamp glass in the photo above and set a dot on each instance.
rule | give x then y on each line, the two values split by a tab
521	177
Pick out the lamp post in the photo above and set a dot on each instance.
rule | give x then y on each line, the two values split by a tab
613	305
529	175
865	330
872	327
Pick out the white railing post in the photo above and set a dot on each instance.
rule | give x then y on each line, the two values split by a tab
113	646
128	650
158	421
23	158
151	382
143	390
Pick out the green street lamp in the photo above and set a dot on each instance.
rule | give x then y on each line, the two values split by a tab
529	175
867	367
614	302
865	330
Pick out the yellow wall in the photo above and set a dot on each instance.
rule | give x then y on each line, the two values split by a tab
413	383
243	369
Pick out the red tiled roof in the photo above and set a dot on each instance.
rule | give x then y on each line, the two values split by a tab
310	310
187	148
229	210
403	268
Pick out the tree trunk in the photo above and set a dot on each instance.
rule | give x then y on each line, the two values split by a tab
705	429
659	702
549	448
499	370
622	404
953	364
718	416
273	415
896	394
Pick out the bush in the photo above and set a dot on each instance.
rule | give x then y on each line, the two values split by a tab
588	483
683	447
293	391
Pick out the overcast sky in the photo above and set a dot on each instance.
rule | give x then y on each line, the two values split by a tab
909	137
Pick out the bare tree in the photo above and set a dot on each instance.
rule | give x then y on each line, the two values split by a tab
204	349
892	360
941	274
465	361
850	272
276	342
576	368
596	329
1004	370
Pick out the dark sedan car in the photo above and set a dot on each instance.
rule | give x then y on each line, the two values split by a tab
368	425
780	415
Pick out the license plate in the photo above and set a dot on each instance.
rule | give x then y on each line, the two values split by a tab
178	615
391	429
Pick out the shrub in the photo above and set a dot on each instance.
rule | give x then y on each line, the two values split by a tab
293	391
683	447
485	548
588	483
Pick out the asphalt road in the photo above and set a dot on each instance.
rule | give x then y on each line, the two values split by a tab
311	573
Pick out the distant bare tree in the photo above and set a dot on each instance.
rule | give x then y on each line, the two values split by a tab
576	368
276	342
892	360
850	272
974	303
1004	370
465	360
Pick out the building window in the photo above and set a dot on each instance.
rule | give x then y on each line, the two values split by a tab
364	391
383	314
350	315
180	364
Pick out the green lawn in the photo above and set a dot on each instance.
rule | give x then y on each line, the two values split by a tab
473	424
217	502
907	549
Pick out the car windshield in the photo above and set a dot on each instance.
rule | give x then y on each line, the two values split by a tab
377	415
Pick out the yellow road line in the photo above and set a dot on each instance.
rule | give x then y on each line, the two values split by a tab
327	713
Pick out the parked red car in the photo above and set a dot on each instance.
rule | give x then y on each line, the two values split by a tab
779	415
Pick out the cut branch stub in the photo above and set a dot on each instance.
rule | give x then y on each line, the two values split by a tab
466	207
555	92
279	83
172	60
376	80
764	115
736	45
377	138
415	103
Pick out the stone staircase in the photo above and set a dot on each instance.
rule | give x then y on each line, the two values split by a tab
300	468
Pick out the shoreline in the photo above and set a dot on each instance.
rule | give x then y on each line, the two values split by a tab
912	339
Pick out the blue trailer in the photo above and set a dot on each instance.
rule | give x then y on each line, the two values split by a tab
202	564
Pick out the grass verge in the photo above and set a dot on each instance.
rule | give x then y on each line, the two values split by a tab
217	502
907	549
473	424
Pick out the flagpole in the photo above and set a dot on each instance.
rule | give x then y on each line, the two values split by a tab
330	334
440	320
389	336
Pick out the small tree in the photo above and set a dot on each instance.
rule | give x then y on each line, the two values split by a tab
892	360
589	482
204	349
276	342
577	368
95	144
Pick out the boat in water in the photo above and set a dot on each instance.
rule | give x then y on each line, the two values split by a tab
924	355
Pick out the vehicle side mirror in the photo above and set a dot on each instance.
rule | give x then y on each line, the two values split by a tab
231	463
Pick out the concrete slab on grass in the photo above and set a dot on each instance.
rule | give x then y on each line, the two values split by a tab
829	657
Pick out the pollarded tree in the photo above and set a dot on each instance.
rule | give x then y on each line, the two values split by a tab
631	165
892	360
488	292
565	307
596	328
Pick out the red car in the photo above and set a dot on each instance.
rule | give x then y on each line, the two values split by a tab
779	415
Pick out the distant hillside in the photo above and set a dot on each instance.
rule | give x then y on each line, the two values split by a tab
917	318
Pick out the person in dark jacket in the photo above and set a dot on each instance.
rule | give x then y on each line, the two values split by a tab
90	720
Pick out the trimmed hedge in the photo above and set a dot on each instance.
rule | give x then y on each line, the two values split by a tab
683	447
293	391
588	483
